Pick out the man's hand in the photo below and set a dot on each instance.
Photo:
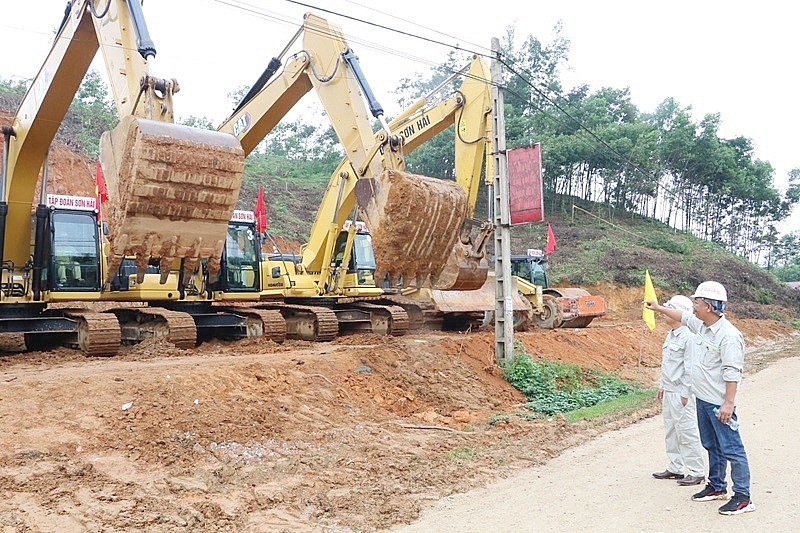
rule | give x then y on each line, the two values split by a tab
725	412
674	314
684	401
660	395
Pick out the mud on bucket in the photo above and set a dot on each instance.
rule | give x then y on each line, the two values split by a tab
171	189
415	223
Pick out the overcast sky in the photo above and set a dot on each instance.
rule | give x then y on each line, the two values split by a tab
732	57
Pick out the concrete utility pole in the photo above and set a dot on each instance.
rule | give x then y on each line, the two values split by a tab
504	283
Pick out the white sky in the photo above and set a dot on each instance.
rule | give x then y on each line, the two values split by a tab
732	57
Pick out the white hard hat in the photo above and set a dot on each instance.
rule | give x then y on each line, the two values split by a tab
679	302
711	290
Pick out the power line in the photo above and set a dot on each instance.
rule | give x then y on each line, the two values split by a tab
387	28
498	57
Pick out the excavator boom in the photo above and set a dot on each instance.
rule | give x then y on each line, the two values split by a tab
375	184
171	188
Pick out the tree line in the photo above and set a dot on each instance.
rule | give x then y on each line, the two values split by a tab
600	151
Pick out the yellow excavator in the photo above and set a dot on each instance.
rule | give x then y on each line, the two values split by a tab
469	109
535	302
332	286
322	292
171	192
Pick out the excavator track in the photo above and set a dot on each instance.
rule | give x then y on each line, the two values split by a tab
98	333
153	322
414	311
307	322
266	323
386	319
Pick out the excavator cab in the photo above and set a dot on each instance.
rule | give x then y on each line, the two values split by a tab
530	267
74	251
241	259
361	263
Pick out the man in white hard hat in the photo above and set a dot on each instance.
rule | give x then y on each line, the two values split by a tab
716	373
681	436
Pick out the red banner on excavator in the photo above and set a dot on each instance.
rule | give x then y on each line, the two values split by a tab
525	184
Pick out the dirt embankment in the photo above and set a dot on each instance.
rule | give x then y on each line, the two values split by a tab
357	434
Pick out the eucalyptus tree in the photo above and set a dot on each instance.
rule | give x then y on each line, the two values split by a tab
674	150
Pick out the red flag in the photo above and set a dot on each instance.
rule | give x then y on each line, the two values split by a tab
550	246
261	212
100	190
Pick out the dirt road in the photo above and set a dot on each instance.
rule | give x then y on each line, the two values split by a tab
605	484
355	435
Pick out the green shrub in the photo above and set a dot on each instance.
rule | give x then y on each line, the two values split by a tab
663	242
552	387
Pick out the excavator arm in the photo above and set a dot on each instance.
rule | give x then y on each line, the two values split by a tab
374	184
171	188
468	108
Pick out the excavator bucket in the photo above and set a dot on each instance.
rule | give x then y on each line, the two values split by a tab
462	272
171	191
415	222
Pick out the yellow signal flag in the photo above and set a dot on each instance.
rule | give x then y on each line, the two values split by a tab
648	315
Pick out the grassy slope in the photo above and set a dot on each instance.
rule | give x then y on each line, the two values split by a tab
590	250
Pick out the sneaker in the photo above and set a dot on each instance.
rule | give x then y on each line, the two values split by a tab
739	504
710	493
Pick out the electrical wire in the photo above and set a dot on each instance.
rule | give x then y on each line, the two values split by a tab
497	56
285	20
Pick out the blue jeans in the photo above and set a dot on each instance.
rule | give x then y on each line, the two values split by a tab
723	445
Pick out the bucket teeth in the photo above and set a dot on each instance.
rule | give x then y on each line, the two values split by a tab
164	265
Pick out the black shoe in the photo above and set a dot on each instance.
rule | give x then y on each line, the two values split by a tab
666	474
710	493
691	480
739	504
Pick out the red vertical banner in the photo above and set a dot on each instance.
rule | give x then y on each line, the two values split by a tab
550	245
525	184
100	191
261	211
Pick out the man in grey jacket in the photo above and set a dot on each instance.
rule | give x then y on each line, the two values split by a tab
678	406
716	374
